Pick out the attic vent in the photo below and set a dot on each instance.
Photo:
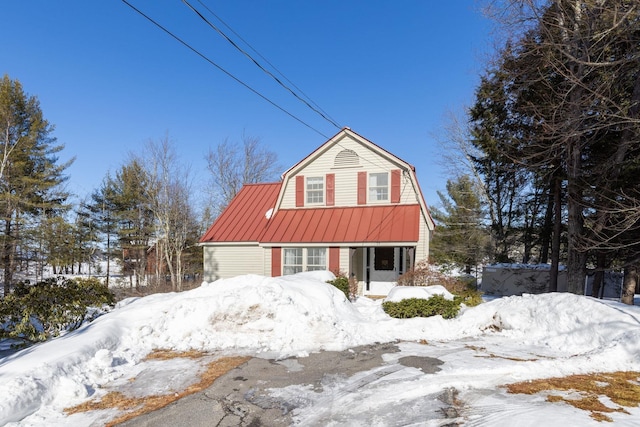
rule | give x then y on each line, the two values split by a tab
346	158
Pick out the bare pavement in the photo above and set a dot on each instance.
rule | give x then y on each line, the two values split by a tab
242	396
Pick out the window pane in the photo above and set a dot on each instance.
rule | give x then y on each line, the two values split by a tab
292	261
378	179
315	190
293	256
291	270
379	186
316	259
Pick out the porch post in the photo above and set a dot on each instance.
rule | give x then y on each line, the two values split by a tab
367	275
352	273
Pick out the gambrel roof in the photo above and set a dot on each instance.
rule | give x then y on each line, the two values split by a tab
256	214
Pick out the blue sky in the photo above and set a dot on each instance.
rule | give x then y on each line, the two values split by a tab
110	81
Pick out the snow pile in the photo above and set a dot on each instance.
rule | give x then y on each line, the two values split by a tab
295	315
399	293
560	320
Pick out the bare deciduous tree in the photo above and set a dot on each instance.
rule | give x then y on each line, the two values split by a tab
170	189
232	165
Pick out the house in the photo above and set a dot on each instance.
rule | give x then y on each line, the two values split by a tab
349	206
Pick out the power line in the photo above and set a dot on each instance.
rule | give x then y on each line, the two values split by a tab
240	81
222	69
245	53
265	60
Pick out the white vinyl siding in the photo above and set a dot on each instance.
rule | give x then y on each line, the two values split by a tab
345	259
297	260
234	260
424	236
346	177
315	190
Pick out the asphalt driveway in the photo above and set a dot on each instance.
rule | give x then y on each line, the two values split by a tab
241	397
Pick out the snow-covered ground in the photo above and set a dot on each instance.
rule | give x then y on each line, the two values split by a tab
502	341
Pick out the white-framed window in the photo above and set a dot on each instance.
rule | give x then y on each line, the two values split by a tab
378	186
315	190
296	260
292	261
316	259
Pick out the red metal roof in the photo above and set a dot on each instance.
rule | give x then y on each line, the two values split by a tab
396	223
244	219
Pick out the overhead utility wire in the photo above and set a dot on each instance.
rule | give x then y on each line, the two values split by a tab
265	59
266	71
259	65
222	69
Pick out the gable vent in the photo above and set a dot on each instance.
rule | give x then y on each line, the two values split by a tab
346	158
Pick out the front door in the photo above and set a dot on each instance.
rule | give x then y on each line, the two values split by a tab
382	267
383	264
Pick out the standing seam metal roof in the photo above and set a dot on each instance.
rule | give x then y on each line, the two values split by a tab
245	221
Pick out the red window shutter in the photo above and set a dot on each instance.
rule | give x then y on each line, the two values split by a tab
334	260
299	191
331	189
276	262
395	186
362	188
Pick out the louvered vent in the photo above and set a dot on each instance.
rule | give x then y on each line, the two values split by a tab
346	158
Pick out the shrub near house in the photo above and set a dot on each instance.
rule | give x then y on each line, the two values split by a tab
424	300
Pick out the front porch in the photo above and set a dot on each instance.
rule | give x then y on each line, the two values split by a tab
377	268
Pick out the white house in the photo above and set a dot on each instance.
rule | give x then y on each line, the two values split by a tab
349	206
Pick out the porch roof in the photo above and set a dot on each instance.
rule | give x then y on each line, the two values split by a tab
396	223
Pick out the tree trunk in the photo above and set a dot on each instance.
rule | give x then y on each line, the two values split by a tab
598	277
168	256
108	252
547	227
178	255
6	257
575	226
629	284
557	230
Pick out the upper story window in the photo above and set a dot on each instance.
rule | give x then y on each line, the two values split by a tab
315	190
378	186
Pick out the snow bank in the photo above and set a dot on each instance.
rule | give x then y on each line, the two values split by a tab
398	293
295	315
